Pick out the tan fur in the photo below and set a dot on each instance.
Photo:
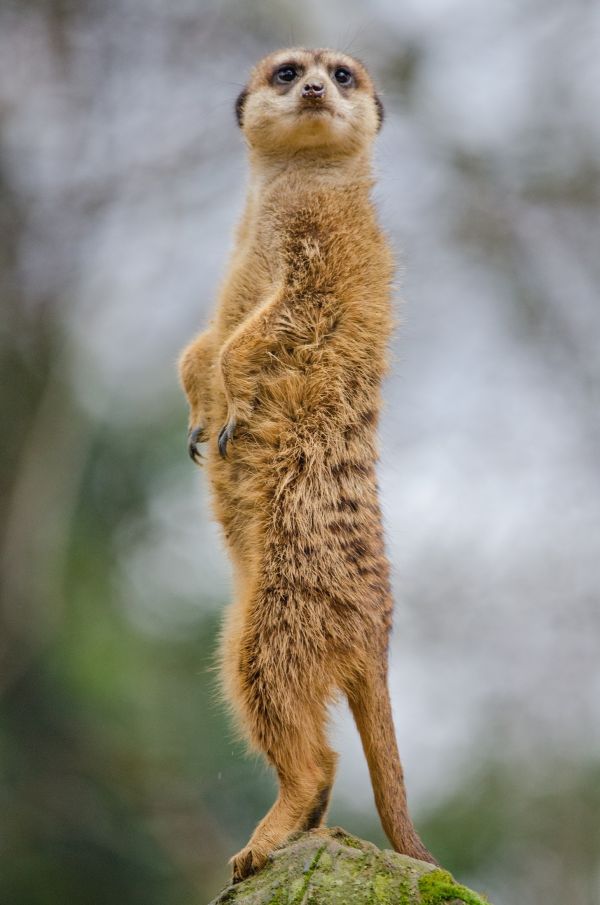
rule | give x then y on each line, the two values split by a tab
288	377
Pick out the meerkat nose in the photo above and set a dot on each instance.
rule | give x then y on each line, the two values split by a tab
313	89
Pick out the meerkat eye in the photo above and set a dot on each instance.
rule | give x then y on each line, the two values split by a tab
286	74
343	76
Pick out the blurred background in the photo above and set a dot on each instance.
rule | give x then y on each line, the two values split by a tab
121	177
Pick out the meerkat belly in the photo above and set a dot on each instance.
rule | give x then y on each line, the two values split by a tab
306	508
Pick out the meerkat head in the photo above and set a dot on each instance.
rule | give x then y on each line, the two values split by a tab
300	99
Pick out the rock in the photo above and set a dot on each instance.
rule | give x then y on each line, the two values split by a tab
331	867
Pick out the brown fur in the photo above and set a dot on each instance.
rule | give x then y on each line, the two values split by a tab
287	381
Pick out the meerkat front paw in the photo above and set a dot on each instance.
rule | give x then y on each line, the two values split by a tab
196	435
247	862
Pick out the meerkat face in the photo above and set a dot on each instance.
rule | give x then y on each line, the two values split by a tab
301	99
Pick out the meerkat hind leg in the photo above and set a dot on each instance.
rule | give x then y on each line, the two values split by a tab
317	815
305	768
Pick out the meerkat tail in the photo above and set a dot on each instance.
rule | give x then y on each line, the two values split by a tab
372	711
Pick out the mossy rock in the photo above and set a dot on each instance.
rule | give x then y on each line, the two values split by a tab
331	867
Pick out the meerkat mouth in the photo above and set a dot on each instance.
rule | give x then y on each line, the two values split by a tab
315	107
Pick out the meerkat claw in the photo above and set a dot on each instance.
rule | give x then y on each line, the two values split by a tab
246	863
225	435
195	436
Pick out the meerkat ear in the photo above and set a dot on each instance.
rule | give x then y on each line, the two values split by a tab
380	111
239	106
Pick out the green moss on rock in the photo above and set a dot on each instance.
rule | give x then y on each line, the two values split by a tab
331	867
439	887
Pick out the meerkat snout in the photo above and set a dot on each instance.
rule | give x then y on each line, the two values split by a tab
314	89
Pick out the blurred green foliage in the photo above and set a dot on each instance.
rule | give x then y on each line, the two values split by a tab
119	778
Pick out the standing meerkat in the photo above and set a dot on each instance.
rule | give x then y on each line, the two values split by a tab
285	387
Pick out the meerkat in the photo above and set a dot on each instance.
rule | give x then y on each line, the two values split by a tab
285	388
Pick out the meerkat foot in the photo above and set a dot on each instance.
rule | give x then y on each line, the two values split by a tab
247	862
196	435
225	435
